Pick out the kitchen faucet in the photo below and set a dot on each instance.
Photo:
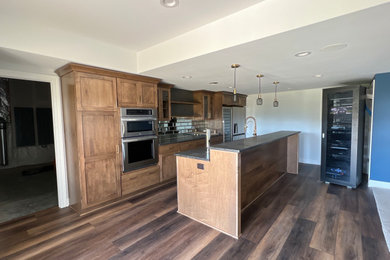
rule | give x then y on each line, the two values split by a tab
246	124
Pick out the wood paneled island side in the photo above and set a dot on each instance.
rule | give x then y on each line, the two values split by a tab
215	187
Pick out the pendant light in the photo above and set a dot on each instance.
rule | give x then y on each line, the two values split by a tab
169	3
235	66
259	100
276	102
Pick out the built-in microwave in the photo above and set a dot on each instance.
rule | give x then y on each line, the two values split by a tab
139	152
138	122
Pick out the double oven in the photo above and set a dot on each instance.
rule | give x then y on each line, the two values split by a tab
139	138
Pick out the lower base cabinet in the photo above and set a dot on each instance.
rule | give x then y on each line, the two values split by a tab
167	158
140	179
168	166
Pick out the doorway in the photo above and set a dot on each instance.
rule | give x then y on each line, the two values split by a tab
27	163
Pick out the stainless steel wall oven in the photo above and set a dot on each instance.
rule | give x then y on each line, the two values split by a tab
139	138
138	122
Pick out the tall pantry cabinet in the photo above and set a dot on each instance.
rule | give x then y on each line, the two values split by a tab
92	131
342	135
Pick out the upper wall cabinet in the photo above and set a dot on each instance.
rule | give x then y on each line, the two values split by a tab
95	92
228	99
204	106
136	94
164	102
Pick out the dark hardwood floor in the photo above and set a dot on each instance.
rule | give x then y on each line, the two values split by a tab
298	218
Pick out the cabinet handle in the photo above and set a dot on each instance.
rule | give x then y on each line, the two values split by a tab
117	149
323	135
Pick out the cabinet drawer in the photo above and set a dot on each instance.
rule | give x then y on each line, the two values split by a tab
216	139
139	179
169	148
193	144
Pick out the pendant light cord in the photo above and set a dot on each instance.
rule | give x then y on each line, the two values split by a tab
259	95
235	81
276	86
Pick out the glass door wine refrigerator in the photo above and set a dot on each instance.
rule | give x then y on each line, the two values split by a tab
342	135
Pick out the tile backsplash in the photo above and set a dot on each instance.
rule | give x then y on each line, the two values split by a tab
183	125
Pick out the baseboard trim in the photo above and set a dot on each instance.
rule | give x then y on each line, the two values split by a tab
378	184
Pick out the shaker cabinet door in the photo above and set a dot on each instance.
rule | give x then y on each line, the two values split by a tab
128	94
136	94
102	180
148	94
100	133
96	92
100	152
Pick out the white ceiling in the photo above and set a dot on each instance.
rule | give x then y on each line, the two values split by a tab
29	62
138	24
368	52
131	24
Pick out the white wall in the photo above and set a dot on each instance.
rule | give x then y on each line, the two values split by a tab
298	110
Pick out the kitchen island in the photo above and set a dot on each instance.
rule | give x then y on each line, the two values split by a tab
215	186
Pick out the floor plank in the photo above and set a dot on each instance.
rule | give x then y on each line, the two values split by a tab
349	200
216	248
298	240
324	237
374	249
297	218
241	249
273	241
349	240
152	241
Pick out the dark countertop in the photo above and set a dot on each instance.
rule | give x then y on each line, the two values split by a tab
178	138
199	154
237	146
247	143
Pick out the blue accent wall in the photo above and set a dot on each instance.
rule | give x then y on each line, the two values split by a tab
380	153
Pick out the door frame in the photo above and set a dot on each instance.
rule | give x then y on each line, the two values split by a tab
58	127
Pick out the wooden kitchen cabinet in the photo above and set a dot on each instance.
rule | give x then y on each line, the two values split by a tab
167	158
139	179
241	100
91	121
136	94
164	102
204	106
228	99
216	139
101	158
95	92
168	166
92	131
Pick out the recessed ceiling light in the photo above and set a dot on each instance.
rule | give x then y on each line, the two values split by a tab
318	75
230	87
334	47
302	54
169	3
187	77
213	83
